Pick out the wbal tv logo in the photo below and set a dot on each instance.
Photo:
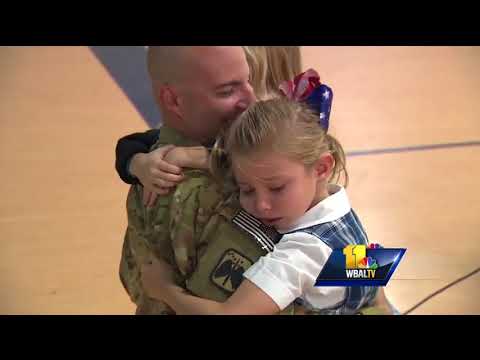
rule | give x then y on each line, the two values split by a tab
357	264
360	265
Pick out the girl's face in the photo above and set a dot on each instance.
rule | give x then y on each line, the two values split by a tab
277	190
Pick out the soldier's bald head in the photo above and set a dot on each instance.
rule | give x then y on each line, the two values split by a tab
166	64
199	88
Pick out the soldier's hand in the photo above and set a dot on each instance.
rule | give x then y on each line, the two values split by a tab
156	277
149	197
156	175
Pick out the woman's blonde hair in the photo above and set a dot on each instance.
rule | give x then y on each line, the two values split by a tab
282	126
270	66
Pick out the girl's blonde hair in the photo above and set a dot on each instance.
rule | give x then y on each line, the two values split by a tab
282	126
270	66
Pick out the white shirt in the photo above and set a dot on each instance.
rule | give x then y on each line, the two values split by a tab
291	269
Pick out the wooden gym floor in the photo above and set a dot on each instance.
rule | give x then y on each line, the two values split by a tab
409	118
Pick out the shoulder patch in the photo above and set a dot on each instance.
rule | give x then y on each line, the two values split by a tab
266	236
228	274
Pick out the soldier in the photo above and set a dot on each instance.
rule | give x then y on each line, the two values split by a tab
198	89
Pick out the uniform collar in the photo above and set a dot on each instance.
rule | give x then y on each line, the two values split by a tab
332	208
169	135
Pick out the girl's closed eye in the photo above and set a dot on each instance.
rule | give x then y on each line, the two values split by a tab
277	188
246	191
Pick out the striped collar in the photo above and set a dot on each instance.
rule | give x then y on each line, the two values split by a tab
330	209
266	236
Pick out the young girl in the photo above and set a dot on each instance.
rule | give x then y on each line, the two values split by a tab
284	164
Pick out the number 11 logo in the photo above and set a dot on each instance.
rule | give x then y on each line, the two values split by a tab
353	255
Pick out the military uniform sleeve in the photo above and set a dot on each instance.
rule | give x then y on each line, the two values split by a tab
129	271
193	203
130	145
137	248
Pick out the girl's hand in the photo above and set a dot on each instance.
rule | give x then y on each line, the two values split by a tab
168	160
157	175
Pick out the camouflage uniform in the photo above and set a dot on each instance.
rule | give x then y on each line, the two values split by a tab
191	229
148	234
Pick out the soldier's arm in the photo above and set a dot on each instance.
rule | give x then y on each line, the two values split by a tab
137	250
129	270
193	204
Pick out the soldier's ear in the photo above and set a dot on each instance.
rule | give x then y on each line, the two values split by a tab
169	99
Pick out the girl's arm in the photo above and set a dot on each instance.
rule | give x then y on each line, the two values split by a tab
248	299
130	145
157	279
164	171
194	157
